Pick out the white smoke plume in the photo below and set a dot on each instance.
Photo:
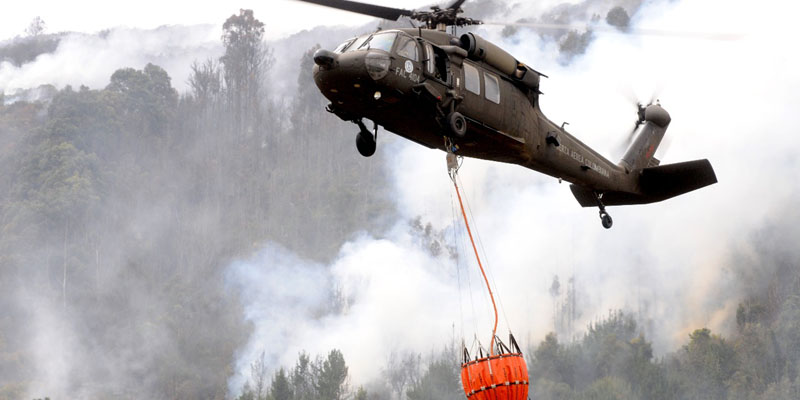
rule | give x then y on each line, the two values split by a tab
372	289
83	59
731	102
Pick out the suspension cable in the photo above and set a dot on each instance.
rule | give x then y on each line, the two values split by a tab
475	249
479	241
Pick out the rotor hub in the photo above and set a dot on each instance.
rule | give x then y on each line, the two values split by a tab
439	16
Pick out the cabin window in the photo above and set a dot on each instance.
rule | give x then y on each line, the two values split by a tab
380	41
472	79
492	87
407	47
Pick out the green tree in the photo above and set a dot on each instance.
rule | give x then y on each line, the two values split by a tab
788	332
402	371
302	378
87	119
546	389
618	18
758	362
36	27
60	180
280	389
307	101
608	388
607	348
361	394
550	361
786	389
648	379
246	62
247	393
441	380
146	99
205	82
331	377
612	350
258	376
709	361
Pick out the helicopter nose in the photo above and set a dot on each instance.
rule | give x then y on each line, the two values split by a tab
325	58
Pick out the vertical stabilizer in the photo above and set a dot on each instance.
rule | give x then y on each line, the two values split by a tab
640	153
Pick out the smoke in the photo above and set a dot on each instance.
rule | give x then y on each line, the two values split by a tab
673	255
119	348
668	263
379	295
90	59
83	59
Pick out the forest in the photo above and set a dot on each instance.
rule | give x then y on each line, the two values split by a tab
121	206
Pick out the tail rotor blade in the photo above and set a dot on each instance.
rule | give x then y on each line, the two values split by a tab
623	145
656	93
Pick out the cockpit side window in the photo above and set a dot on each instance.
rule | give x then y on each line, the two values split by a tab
437	65
407	47
343	47
430	62
380	41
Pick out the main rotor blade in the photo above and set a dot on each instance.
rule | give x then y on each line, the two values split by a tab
362	8
456	5
634	31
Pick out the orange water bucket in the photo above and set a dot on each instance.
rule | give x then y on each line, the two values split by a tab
502	376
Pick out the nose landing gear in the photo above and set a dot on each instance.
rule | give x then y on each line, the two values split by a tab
605	219
457	124
366	142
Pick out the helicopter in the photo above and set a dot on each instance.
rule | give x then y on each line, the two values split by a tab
469	97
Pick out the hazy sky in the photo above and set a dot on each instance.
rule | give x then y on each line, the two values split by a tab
282	17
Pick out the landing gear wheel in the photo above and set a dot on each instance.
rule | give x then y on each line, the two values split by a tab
457	124
606	220
365	143
604	217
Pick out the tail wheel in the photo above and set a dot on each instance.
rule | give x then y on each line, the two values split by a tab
606	220
458	124
365	143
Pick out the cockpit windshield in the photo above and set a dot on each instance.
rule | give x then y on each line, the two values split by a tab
380	41
353	44
342	47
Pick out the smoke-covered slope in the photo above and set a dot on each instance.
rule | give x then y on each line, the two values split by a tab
154	247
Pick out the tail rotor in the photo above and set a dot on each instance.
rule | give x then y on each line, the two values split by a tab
648	131
626	143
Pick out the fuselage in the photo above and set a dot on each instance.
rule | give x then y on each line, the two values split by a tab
409	80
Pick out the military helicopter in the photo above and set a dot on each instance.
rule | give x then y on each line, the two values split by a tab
467	96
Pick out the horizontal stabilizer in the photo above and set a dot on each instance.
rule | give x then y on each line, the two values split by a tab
672	180
655	184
